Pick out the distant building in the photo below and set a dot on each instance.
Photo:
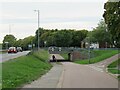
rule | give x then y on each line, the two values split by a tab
92	45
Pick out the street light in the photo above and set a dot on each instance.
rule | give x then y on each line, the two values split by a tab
38	26
88	49
10	28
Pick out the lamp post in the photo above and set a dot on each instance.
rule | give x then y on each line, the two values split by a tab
38	27
10	28
89	49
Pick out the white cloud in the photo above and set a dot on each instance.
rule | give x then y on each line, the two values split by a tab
20	31
57	14
23	30
53	0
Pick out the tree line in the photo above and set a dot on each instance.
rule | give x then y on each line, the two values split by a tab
63	38
107	33
54	37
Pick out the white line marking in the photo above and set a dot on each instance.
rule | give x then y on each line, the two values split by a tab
96	68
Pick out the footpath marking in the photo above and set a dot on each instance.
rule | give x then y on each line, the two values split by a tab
96	68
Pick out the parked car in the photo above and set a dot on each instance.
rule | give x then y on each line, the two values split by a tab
19	49
12	50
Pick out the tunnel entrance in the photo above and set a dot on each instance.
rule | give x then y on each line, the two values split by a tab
66	54
60	54
59	58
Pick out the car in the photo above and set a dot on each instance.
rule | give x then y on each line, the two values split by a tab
53	48
19	49
12	50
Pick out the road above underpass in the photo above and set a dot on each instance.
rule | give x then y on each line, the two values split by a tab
6	56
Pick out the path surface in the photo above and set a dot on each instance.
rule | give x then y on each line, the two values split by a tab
49	80
88	76
58	57
83	76
103	64
71	75
6	56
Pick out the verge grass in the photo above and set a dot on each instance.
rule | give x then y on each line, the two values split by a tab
17	72
64	55
114	67
99	56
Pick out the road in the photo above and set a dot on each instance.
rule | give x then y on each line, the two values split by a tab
6	56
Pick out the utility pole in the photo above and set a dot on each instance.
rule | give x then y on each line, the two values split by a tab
89	49
10	28
38	28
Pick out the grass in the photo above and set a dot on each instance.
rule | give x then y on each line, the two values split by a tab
99	56
17	72
114	64
113	67
64	55
3	52
114	71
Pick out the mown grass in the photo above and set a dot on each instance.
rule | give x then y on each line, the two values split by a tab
99	56
113	67
64	55
3	52
17	72
114	71
114	64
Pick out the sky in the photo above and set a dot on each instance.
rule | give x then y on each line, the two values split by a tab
18	17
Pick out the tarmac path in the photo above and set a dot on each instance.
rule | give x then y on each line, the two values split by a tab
72	75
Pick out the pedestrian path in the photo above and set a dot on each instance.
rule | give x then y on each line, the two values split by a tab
97	68
102	66
57	56
49	80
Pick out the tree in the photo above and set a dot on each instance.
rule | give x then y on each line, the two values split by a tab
63	38
112	19
18	43
48	37
91	36
10	39
27	41
78	36
100	34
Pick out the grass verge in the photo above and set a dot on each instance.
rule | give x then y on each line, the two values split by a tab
64	55
113	71
17	72
113	67
99	56
114	64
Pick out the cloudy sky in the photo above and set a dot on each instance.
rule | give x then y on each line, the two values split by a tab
18	17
